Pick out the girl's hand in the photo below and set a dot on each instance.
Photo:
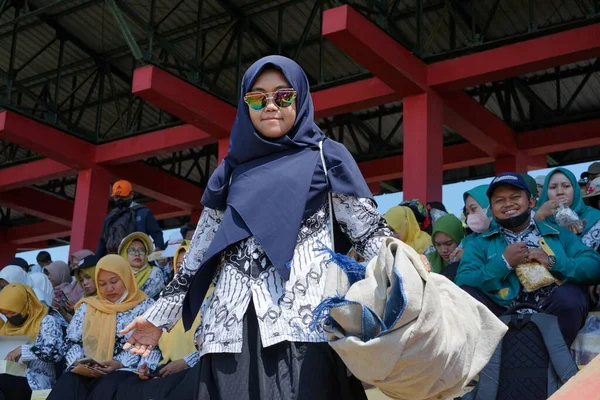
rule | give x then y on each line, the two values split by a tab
110	366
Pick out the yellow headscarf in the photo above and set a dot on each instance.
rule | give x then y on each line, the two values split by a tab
100	323
90	271
178	343
142	274
402	220
21	299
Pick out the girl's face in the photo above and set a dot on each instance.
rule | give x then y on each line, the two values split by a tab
272	122
444	245
136	254
471	206
111	286
560	188
87	283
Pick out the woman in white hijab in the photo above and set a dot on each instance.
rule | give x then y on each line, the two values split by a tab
12	274
42	287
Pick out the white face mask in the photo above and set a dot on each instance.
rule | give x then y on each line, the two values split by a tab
122	298
479	221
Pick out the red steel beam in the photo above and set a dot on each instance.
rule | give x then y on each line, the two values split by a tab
456	156
45	140
516	59
184	100
160	185
32	173
352	97
479	126
152	144
560	138
375	50
37	232
38	204
162	210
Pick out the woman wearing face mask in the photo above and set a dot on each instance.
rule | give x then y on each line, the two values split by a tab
94	333
26	316
447	236
266	210
561	187
136	248
476	209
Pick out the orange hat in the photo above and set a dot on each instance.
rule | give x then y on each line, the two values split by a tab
122	188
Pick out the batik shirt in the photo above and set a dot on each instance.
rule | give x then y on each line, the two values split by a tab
155	283
43	353
530	236
74	341
284	308
592	237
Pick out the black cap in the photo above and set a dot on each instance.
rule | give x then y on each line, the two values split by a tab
508	178
86	262
19	262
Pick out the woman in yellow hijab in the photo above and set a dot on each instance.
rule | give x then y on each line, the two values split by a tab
403	222
28	317
94	333
136	248
180	355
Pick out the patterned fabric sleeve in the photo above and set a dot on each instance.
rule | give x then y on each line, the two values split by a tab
167	310
192	359
359	220
592	237
48	344
73	346
155	283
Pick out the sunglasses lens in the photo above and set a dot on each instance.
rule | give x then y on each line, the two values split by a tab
284	98
256	101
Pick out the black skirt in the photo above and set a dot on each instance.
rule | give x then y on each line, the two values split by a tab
179	386
284	371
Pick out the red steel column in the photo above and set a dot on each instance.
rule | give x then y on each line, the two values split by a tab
423	147
91	206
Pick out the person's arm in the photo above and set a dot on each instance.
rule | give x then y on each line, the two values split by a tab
478	271
592	237
167	310
153	230
73	346
48	344
580	265
359	220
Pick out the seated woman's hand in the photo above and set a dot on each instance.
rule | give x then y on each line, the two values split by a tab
144	372
546	210
110	366
14	355
144	337
173	367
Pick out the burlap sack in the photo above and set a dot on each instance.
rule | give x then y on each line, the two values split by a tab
413	334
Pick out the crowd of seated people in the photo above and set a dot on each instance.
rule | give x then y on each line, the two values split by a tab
72	314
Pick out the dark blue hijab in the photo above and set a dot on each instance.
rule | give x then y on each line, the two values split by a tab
266	187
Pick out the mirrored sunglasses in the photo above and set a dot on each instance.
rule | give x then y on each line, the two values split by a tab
281	98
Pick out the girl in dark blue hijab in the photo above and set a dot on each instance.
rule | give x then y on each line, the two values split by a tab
266	217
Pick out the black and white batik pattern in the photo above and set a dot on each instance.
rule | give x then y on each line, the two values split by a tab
74	344
531	237
42	354
284	308
155	283
592	237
